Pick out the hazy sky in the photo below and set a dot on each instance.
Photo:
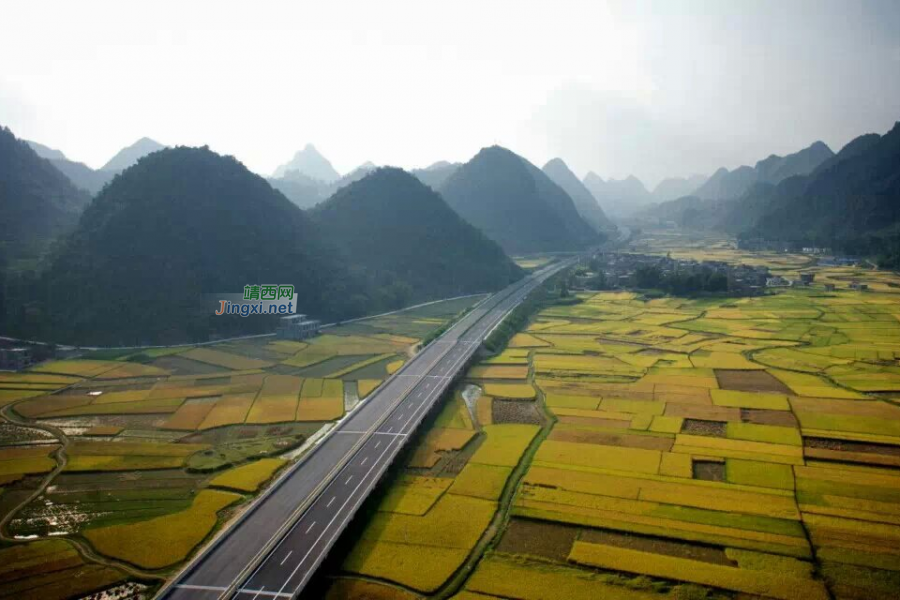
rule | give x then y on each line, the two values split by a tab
655	89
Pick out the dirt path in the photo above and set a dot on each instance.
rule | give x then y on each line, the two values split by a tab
491	535
62	460
60	456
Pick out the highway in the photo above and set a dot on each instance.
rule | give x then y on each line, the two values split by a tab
275	546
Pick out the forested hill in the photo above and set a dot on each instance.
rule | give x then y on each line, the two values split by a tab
515	204
37	202
729	185
849	201
856	194
407	243
180	223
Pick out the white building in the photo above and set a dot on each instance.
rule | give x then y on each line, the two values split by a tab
297	327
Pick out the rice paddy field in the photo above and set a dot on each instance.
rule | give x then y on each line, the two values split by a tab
114	471
634	448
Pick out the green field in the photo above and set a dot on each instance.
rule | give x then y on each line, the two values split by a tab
162	443
690	449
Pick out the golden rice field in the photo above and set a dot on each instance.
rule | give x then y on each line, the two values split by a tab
162	443
707	448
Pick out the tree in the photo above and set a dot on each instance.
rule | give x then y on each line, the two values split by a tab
597	282
648	277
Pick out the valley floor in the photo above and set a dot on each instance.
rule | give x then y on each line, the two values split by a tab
664	448
116	466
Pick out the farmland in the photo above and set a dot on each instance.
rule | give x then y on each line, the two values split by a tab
661	447
114	470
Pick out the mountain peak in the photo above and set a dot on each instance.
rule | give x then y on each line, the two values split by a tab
592	177
375	220
311	163
516	204
46	151
585	203
129	155
556	162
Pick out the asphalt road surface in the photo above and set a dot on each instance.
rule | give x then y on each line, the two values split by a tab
274	548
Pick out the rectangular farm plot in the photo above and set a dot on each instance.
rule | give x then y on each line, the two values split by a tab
437	441
526	340
722	360
362	364
808	384
750	381
224	359
774	584
228	410
51	570
481	481
413	495
512	391
364	387
248	478
128	456
730	448
26	460
190	415
164	540
309	356
512	356
554	453
277	400
749	400
503	576
598	365
78	368
321	400
498	372
421	551
764	433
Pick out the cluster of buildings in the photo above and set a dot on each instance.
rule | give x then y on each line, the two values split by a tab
619	271
806	279
743	280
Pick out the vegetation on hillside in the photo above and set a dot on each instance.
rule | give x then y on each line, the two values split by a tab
37	202
407	244
516	204
182	223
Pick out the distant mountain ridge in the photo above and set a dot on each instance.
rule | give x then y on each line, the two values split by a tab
306	192
856	194
618	197
587	206
310	163
46	151
129	155
515	204
677	187
37	202
81	175
728	185
847	200
436	174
